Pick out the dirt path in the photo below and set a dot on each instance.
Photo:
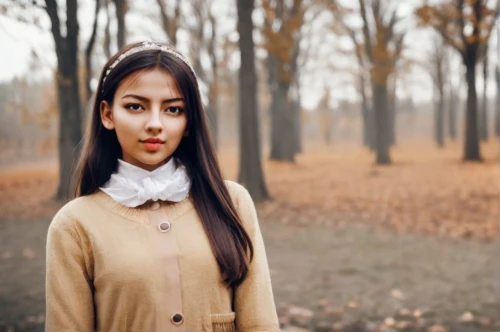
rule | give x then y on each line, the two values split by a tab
380	273
22	275
377	271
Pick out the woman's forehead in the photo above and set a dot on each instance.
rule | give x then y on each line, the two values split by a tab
150	83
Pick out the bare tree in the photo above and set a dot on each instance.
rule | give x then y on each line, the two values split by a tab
497	110
89	49
281	30
438	73
70	132
170	21
250	174
454	101
326	117
392	106
483	113
306	56
466	26
203	43
383	47
340	14
107	31
213	90
121	11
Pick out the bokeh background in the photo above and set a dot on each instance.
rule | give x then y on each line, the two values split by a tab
368	134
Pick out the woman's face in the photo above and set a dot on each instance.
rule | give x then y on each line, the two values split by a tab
148	115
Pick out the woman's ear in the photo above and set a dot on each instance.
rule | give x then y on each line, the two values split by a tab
106	115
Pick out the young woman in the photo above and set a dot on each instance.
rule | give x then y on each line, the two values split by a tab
156	240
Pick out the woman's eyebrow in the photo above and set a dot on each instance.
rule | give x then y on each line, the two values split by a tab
144	99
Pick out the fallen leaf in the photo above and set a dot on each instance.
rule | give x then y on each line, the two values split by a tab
389	321
397	294
28	253
466	317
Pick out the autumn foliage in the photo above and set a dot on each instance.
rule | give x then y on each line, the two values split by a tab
426	190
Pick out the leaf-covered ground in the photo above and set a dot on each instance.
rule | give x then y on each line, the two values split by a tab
426	190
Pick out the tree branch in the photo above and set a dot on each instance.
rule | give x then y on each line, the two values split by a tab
51	8
366	31
461	22
90	47
72	25
483	46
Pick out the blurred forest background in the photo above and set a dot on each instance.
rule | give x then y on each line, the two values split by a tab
366	130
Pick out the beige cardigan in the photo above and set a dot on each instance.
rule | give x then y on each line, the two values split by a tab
112	268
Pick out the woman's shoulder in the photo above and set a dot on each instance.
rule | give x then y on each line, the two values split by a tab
244	205
69	213
234	187
237	192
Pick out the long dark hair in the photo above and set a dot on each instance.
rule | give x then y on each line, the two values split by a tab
229	240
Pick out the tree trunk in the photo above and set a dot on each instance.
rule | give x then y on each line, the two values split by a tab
213	87
483	116
368	132
328	125
121	10
392	111
283	76
282	117
297	112
250	173
212	112
452	113
170	24
88	52
368	139
272	81
497	110
372	143
282	136
107	32
295	100
380	107
471	146
367	126
439	118
70	132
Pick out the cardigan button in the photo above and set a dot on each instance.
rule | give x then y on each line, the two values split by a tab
164	227
177	319
155	206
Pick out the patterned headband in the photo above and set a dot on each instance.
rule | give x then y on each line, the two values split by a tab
147	46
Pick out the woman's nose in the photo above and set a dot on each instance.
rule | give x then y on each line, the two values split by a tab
154	123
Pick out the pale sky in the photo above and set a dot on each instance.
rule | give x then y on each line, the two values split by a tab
18	39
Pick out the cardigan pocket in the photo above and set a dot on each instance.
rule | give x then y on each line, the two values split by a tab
219	322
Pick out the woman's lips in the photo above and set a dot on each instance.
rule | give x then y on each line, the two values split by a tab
152	146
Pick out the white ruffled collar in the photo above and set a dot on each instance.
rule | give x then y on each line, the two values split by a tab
133	186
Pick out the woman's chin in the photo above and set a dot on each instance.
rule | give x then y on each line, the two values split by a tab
151	162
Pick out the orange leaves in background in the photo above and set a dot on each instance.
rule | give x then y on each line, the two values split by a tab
426	190
27	191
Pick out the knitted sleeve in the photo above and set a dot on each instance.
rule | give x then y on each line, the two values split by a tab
69	299
253	298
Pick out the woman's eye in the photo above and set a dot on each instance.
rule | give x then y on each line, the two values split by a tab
134	107
174	110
